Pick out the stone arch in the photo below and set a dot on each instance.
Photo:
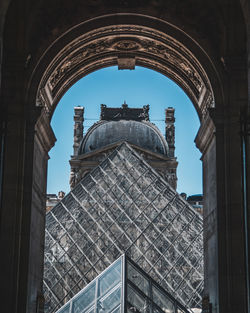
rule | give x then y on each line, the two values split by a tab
162	47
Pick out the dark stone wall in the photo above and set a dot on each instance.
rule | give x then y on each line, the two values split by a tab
210	225
43	141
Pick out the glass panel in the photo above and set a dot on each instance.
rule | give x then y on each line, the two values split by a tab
138	279
117	310
162	301
110	278
84	300
137	302
110	302
65	309
130	308
156	310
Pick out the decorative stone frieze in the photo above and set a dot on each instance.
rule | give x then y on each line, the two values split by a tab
126	46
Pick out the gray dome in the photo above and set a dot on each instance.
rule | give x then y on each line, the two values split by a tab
143	134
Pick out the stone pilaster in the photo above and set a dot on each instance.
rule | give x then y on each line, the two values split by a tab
219	140
78	128
170	130
206	142
44	139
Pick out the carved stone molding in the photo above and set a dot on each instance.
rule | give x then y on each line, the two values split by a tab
105	46
208	102
44	133
205	134
143	45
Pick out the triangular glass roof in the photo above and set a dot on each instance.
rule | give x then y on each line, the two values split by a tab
123	205
123	287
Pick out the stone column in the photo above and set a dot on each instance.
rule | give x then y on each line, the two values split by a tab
219	139
44	140
78	127
78	136
230	213
206	142
170	130
23	212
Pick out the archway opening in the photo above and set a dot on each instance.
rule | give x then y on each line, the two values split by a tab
128	46
139	87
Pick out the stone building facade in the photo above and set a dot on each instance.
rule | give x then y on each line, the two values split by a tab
104	136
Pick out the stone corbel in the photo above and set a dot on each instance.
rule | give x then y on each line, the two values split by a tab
44	133
205	133
126	63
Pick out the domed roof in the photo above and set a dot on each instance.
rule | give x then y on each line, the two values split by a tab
141	133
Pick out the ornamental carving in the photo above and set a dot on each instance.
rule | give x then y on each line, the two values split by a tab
170	134
72	178
86	52
147	46
124	45
208	102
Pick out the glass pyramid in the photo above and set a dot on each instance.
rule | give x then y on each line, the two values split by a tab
122	287
123	205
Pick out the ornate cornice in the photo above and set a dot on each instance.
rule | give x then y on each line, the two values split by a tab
44	133
205	134
105	46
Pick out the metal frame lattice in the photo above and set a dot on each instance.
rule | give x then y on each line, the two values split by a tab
123	205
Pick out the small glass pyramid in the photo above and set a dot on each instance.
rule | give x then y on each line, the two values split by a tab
123	287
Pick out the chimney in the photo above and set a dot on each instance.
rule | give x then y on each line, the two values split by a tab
61	195
78	127
170	130
183	195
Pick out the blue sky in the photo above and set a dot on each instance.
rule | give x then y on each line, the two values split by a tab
137	87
